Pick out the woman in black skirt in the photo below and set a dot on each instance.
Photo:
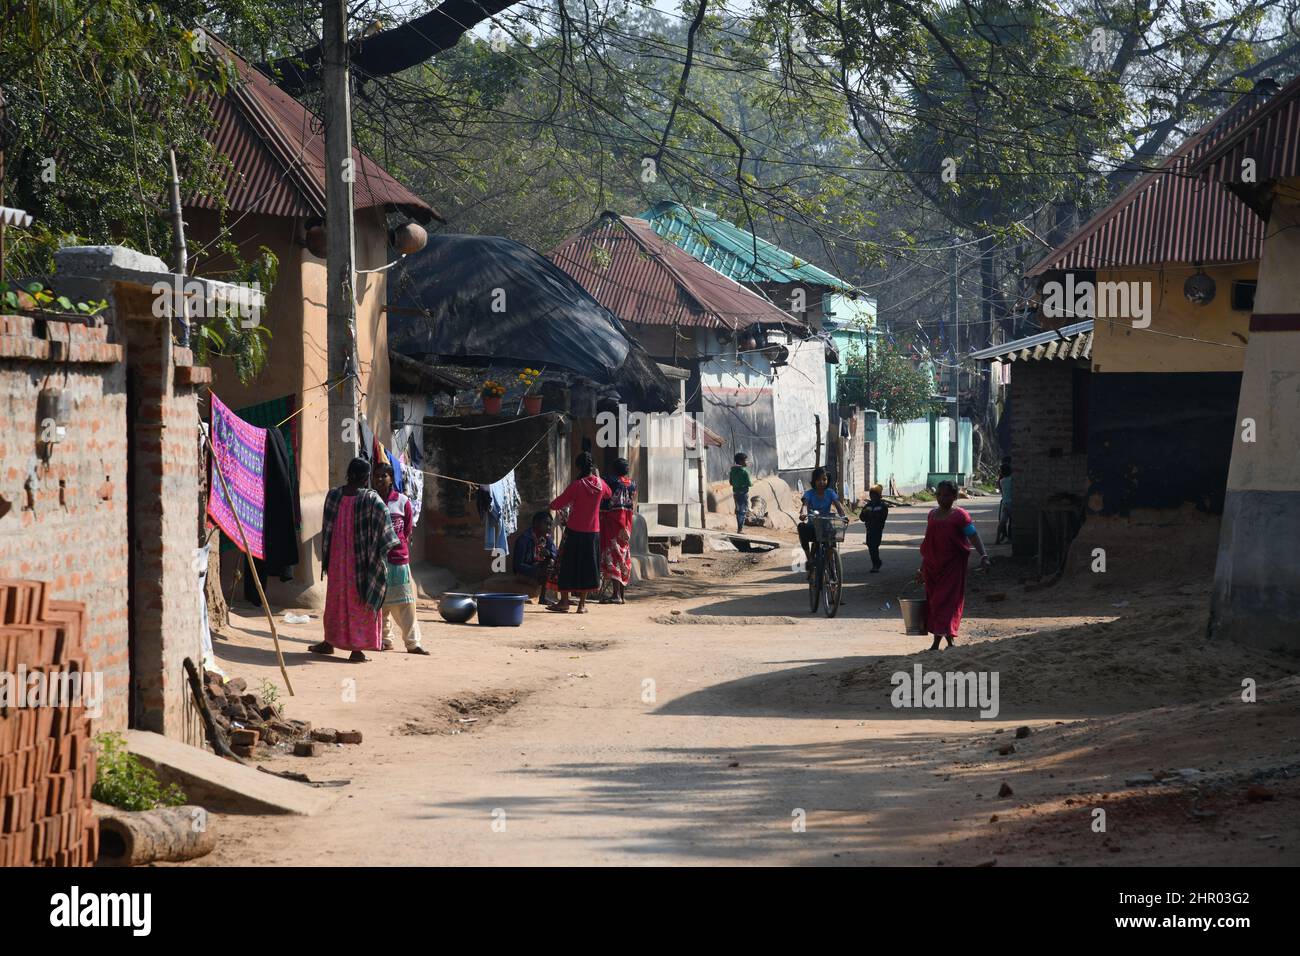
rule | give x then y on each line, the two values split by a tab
578	565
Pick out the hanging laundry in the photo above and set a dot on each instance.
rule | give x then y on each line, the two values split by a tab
502	515
414	490
208	656
239	450
414	451
397	471
367	444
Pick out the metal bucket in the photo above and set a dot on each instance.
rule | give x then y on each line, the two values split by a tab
913	615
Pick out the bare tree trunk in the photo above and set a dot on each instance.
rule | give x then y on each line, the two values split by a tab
218	609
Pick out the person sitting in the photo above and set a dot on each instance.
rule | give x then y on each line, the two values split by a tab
817	500
534	552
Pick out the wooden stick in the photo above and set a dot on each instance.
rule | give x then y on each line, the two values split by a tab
215	736
252	569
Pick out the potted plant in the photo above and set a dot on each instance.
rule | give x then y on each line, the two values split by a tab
492	392
529	378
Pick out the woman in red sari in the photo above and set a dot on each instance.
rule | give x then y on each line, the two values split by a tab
949	534
616	514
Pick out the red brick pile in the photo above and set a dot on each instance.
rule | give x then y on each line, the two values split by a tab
47	763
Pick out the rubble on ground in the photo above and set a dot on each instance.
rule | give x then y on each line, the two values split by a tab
255	724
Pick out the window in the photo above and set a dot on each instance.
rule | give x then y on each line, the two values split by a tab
1243	295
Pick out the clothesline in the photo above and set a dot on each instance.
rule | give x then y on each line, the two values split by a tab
303	407
475	428
475	484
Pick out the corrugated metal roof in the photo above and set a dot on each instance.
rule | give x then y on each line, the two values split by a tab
1070	342
277	149
726	247
645	279
1270	136
1168	215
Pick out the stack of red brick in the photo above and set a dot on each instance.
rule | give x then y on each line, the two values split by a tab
47	763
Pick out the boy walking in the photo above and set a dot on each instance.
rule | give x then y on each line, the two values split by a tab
741	482
874	516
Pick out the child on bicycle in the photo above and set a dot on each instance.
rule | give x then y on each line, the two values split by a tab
817	500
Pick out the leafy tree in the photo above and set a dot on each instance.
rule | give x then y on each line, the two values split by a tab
884	378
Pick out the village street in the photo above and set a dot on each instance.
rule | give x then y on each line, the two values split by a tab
763	717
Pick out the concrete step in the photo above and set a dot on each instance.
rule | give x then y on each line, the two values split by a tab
223	785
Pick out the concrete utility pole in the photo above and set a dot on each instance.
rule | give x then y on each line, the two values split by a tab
954	455
340	255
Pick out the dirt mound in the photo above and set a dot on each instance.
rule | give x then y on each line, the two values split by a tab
747	620
772	499
1220	772
1167	546
1139	660
463	713
569	645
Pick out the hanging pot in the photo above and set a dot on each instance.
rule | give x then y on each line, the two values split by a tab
532	404
492	404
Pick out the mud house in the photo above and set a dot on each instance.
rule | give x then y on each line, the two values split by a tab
481	308
1256	598
691	317
274	198
783	368
1131	418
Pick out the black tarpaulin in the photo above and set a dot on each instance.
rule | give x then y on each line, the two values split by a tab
486	299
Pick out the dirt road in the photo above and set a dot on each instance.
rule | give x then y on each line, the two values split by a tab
711	720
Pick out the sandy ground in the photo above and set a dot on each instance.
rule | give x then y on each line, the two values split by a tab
713	720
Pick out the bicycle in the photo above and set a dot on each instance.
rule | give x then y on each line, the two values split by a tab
827	580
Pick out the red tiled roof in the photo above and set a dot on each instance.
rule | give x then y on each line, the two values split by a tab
1270	136
277	149
1169	215
645	279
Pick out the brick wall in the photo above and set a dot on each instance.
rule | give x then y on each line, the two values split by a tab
109	514
64	520
165	479
1042	441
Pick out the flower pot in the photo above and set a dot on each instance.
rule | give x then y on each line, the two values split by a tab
532	404
492	404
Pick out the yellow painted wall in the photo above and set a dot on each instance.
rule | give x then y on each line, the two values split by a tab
1270	389
1118	347
298	363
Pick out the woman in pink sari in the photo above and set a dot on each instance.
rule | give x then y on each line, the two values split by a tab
949	533
357	537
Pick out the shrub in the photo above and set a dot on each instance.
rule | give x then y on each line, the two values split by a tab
122	781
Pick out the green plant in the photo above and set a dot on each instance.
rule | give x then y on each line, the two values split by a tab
35	297
271	694
885	380
122	781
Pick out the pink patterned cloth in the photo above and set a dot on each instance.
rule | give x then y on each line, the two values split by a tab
239	450
349	624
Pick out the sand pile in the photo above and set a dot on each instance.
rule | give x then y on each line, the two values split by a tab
776	502
1140	660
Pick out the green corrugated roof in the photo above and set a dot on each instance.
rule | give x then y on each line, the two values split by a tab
729	249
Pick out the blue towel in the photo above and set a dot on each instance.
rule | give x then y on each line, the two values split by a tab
397	469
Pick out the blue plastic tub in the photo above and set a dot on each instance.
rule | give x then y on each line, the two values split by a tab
500	610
